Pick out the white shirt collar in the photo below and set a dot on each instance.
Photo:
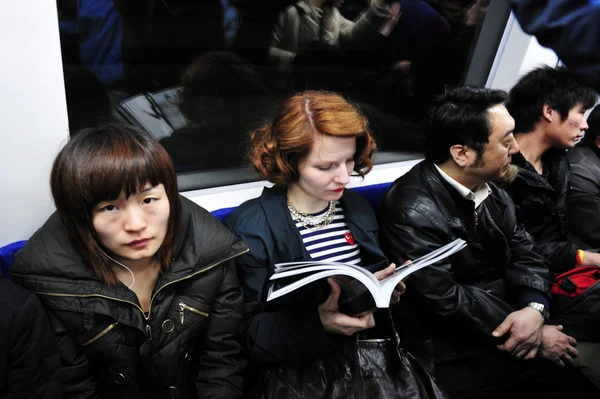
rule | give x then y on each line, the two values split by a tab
478	196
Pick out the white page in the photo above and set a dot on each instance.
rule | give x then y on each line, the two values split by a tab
372	286
380	290
388	284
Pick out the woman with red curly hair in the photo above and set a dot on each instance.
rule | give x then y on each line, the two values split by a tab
301	345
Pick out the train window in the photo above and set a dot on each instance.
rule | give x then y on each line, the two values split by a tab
199	75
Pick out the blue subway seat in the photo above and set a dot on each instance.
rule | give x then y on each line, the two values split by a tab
7	254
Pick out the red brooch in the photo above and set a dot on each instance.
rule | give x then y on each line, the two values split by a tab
349	238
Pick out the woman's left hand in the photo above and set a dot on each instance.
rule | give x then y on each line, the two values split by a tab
400	288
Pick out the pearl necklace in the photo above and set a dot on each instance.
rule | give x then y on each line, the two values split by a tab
312	222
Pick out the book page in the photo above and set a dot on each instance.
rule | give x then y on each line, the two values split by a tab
370	283
299	274
389	283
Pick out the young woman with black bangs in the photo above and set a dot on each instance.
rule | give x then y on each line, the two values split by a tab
139	282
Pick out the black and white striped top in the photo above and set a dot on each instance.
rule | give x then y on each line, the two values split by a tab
333	242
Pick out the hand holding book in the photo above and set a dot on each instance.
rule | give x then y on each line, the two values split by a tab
339	323
400	287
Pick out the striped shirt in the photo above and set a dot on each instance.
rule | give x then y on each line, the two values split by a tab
333	242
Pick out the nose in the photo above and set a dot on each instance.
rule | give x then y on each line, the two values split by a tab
134	219
584	125
342	175
514	148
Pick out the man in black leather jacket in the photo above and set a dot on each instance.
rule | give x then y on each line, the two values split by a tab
548	105
485	307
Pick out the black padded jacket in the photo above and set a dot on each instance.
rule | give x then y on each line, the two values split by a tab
29	361
185	347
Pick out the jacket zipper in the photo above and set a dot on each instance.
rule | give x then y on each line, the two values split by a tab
193	275
183	307
100	335
148	328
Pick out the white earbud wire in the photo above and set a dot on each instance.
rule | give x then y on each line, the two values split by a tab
122	265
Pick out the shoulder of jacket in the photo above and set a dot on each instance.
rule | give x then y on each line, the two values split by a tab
249	213
197	219
12	296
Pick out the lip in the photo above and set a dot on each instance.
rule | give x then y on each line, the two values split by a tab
338	190
138	243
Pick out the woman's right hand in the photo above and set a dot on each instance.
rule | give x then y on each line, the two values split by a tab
340	323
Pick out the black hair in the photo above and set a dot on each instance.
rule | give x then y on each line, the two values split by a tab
459	116
555	87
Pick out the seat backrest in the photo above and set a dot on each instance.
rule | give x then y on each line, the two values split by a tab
7	254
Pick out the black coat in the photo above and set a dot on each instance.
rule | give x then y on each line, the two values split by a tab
542	207
584	204
459	301
29	361
290	329
187	347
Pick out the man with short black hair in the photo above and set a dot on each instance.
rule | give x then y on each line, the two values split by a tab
548	105
483	309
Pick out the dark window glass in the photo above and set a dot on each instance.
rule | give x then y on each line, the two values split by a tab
199	75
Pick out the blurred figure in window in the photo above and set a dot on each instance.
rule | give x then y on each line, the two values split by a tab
445	62
231	22
584	204
92	36
163	37
88	101
351	9
319	21
223	96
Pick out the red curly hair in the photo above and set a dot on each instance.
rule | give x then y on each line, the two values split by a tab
276	149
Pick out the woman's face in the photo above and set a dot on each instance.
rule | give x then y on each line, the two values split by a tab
326	169
133	229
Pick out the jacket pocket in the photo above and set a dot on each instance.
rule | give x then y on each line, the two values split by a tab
186	310
99	335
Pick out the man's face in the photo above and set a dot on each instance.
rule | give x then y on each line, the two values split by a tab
494	162
565	132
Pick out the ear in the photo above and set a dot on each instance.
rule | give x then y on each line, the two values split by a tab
548	113
597	142
459	154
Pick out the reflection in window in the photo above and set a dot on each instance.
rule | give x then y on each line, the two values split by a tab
200	74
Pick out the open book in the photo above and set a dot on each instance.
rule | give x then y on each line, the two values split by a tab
157	113
290	276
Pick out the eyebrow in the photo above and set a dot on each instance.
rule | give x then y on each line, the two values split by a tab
147	189
508	133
